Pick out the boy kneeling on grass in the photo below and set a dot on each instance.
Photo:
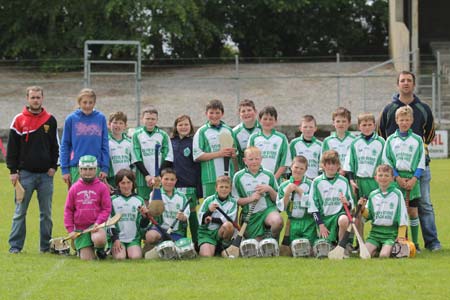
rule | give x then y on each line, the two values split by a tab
88	204
215	232
387	210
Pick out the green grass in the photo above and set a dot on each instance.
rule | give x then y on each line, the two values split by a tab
31	275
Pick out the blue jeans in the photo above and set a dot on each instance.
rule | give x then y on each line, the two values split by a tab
426	212
43	184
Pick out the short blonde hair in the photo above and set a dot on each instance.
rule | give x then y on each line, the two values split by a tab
385	168
86	93
35	88
252	150
404	111
366	117
223	179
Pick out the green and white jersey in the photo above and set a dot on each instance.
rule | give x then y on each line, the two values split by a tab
325	192
129	224
242	135
364	156
119	154
206	140
274	149
333	142
244	185
387	209
229	206
172	205
404	153
144	143
311	151
298	206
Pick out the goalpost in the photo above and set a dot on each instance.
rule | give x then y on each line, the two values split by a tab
136	63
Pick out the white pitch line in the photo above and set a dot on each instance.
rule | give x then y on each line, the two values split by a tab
43	280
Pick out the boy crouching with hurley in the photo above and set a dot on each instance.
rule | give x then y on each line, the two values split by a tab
387	210
215	231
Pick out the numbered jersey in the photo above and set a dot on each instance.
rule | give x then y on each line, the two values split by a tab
129	224
311	151
274	150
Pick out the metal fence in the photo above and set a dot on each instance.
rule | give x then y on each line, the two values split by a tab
295	86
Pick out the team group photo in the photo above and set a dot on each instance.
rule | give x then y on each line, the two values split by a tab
224	149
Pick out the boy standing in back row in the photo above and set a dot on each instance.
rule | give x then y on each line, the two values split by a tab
207	150
273	144
341	139
308	146
405	153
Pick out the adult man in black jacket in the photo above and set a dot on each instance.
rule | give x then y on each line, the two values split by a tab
32	157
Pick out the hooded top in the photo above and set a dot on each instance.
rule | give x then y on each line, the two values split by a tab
84	135
33	142
423	124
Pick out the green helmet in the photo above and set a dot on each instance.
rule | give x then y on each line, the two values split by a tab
87	161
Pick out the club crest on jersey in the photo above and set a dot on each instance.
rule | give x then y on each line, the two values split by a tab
410	148
186	152
275	146
391	205
374	152
46	128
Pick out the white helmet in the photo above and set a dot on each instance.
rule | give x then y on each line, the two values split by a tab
269	247
167	250
249	248
87	161
185	248
301	248
321	248
59	246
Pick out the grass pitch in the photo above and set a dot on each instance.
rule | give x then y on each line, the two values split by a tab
31	275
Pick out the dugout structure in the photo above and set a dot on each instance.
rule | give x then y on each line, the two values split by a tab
135	64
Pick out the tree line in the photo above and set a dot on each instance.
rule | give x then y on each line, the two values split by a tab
36	29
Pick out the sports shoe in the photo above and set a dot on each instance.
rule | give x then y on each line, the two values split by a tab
418	250
436	248
14	250
101	254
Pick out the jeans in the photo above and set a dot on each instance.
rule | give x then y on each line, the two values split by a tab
43	184
426	212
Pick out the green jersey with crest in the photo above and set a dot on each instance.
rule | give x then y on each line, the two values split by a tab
119	154
387	209
229	206
364	156
298	206
325	192
244	185
206	140
310	150
144	150
242	134
404	153
172	205
333	142
274	149
129	224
